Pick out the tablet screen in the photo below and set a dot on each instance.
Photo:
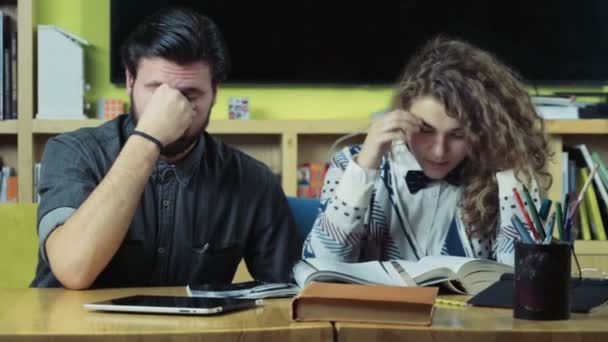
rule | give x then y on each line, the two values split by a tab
176	302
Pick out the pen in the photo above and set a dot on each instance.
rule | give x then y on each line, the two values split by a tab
566	205
451	302
558	220
549	228
582	193
568	230
545	207
523	233
524	212
532	210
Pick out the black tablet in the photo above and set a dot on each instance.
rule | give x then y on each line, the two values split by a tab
173	305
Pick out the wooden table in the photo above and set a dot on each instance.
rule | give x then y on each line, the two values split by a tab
57	315
473	324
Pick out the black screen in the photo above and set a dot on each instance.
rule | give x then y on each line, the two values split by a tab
339	42
183	302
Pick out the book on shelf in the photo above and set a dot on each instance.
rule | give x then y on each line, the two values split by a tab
594	111
310	179
3	18
8	184
565	173
558	112
603	171
8	67
583	211
455	274
248	290
595	219
14	68
567	108
591	220
548	100
364	303
37	168
603	194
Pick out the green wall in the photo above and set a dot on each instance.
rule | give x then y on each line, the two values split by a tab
90	19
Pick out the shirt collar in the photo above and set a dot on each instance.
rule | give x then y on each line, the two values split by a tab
408	162
188	167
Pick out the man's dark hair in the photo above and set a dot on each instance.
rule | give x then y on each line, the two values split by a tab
180	35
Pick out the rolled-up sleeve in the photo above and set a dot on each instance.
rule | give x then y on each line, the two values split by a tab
65	182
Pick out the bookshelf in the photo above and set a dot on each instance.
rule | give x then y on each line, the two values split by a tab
281	144
16	135
8	127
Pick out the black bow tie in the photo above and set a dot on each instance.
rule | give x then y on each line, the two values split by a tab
417	180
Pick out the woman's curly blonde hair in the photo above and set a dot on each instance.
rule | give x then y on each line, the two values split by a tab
501	127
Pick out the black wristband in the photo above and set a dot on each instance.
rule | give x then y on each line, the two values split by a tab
150	138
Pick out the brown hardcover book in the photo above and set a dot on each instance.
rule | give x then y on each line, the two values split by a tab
364	303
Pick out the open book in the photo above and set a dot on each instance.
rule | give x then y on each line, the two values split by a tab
457	274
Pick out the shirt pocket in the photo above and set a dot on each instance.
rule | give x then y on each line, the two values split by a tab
215	263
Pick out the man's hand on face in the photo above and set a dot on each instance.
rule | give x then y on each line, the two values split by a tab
167	115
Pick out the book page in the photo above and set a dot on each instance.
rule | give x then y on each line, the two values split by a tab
426	274
454	263
302	270
371	272
398	272
473	274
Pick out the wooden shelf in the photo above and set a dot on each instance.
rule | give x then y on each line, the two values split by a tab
287	126
8	127
595	126
227	126
593	247
61	126
580	126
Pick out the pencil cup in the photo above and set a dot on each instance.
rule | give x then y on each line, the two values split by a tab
542	281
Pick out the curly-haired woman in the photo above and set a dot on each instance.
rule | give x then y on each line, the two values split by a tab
435	175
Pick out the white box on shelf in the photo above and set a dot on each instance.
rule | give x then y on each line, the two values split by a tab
569	112
61	82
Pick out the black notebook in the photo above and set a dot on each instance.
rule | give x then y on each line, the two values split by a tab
588	295
246	290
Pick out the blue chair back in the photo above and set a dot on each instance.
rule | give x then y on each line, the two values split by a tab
305	212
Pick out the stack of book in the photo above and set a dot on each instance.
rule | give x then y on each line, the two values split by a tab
557	108
589	222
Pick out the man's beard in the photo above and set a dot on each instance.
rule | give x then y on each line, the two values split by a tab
180	145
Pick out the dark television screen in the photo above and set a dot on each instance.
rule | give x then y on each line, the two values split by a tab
339	42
